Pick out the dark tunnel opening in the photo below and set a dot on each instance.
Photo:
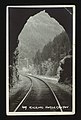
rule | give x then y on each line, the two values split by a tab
19	16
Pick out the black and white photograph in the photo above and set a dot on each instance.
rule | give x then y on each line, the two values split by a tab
40	60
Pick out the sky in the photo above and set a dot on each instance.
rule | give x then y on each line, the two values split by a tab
19	16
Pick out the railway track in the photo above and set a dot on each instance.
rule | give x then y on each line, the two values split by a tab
38	95
54	95
25	95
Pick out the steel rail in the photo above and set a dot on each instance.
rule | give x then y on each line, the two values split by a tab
25	95
53	93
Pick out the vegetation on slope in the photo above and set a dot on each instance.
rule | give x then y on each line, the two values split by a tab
48	60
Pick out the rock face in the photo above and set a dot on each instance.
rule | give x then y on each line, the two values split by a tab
38	31
65	73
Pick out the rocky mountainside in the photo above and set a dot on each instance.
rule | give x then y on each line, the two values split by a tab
36	33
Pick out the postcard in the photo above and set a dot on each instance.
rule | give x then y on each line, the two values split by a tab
40	60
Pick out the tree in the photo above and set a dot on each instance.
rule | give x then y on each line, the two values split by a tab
55	50
38	58
15	65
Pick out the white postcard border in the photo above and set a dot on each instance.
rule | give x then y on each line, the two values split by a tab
7	63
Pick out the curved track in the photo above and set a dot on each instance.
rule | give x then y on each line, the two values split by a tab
52	92
25	95
40	97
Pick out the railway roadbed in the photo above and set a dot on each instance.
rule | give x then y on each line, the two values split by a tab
63	96
36	94
18	91
63	93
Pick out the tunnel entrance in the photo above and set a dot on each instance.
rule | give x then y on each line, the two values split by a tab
40	47
35	39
